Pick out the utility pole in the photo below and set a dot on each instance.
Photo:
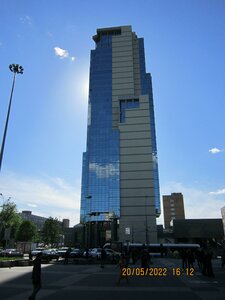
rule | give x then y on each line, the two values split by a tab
16	69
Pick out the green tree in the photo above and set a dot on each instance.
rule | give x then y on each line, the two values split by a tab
52	230
27	232
9	219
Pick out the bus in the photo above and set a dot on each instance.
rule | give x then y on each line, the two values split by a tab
153	249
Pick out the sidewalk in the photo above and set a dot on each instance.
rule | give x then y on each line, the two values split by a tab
90	282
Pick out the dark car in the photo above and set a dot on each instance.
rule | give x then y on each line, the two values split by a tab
11	253
48	255
76	253
62	251
36	251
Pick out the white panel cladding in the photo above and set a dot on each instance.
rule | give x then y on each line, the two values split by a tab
136	62
136	170
121	55
135	192
123	86
127	58
137	183
118	43
135	150
118	75
134	121
137	158
119	64
133	175
123	80
137	211
141	201
126	29
122	70
121	92
134	127
134	135
135	112
123	47
134	166
134	143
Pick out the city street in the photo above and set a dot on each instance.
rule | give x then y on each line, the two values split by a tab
87	282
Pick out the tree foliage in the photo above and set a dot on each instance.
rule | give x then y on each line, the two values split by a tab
51	231
9	218
27	232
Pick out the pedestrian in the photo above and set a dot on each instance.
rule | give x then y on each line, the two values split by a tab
103	257
145	259
134	256
199	258
30	256
183	255
190	258
87	253
161	250
208	263
36	276
123	266
127	257
67	255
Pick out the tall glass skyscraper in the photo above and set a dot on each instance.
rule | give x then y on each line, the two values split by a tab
120	172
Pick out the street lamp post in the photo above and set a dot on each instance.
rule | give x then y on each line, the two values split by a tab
16	69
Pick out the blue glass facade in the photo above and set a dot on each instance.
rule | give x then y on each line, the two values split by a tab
100	192
100	179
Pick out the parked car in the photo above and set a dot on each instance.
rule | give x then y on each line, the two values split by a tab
50	254
112	254
76	253
36	251
11	253
89	253
96	253
62	251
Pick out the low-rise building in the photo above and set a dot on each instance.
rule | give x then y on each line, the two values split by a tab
198	230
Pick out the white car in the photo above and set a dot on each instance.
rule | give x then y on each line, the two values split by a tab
36	251
111	253
96	252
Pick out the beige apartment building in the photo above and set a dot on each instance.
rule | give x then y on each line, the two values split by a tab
173	206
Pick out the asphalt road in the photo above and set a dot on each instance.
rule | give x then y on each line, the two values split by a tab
90	282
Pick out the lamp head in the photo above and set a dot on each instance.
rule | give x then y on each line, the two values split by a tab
15	68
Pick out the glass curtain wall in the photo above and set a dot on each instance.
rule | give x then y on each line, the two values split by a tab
100	196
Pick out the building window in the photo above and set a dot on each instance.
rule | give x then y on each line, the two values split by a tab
127	104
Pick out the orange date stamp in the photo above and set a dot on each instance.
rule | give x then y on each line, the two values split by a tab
157	271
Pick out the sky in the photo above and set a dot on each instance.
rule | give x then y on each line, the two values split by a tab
52	40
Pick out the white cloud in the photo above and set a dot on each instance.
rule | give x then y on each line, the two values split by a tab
49	33
31	205
215	150
26	20
62	53
219	192
198	203
49	196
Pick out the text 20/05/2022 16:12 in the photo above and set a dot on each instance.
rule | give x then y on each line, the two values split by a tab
160	272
